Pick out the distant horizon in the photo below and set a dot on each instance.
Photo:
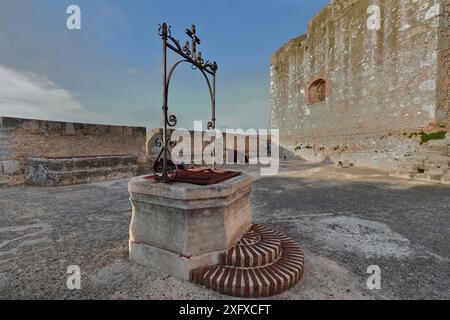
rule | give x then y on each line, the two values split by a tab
109	71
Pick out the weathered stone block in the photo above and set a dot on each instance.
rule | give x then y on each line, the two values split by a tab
178	227
68	171
11	166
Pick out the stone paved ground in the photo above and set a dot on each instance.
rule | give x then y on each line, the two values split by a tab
346	220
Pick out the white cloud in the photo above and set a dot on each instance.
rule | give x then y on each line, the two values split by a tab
27	95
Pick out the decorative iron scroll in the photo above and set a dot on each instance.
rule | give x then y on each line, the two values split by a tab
163	168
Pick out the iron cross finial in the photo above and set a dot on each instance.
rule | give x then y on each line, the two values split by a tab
195	40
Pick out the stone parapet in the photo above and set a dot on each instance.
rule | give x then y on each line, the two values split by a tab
21	139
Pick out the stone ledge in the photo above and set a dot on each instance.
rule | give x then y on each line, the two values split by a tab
205	203
80	163
67	171
183	191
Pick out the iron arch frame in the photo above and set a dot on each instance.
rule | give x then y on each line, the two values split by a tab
161	167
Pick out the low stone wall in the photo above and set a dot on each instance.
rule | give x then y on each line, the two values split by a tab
50	172
389	152
384	152
155	134
21	139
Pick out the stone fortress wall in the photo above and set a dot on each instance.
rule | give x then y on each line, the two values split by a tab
364	94
21	139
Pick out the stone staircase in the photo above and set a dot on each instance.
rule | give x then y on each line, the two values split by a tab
430	163
263	263
69	171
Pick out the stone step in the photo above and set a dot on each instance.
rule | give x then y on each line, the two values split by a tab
60	172
93	175
428	177
428	168
435	163
259	278
442	176
403	174
432	168
409	167
245	254
80	163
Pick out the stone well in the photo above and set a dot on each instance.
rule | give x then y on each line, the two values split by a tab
177	228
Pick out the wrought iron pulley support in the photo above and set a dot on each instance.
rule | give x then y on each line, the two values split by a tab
208	69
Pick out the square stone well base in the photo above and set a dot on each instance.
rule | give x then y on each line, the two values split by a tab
179	227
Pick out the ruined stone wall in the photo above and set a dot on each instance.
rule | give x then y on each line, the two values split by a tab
381	84
443	82
22	138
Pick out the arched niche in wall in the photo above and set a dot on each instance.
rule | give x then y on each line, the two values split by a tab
317	91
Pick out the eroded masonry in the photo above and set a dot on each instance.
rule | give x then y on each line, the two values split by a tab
368	85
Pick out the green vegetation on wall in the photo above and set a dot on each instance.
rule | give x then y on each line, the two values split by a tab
425	137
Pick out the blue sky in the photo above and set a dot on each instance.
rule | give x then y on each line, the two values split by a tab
110	70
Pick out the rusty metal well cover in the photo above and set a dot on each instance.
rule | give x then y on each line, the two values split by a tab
201	177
